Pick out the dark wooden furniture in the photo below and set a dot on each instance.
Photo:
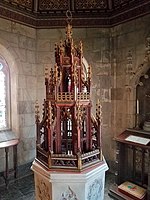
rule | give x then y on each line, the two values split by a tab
132	163
6	145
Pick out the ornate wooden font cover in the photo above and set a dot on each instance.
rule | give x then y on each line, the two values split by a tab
68	136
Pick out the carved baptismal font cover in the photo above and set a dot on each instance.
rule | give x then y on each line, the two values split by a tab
68	135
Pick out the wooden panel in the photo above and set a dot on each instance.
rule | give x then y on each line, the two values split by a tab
132	162
21	3
52	5
88	5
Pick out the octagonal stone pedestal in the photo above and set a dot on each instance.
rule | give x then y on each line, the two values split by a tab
59	185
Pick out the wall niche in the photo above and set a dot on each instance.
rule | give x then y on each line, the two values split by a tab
143	102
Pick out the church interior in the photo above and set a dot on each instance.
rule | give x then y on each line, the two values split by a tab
47	108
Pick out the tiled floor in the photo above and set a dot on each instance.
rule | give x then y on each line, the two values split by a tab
23	189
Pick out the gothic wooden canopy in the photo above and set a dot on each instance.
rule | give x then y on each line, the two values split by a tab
85	13
68	135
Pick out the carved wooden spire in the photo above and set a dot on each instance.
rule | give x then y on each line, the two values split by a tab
67	128
37	116
98	111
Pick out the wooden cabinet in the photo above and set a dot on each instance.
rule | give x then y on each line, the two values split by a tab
132	161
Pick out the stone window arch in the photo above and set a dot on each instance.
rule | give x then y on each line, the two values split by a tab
10	63
5	121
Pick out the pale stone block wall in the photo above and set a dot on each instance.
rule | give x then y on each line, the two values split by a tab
129	41
114	78
18	47
129	37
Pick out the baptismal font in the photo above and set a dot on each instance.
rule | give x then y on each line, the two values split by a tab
68	148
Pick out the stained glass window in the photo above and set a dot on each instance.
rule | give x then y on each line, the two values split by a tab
3	98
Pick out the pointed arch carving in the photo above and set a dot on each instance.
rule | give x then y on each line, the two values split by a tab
132	81
143	67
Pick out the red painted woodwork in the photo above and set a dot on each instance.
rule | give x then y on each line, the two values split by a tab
68	136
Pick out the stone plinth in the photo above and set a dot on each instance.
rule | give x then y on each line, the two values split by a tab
59	185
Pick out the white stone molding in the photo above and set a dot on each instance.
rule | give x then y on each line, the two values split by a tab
69	195
61	185
95	190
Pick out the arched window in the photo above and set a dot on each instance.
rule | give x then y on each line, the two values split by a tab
4	95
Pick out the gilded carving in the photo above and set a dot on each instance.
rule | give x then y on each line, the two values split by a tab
43	190
148	45
99	111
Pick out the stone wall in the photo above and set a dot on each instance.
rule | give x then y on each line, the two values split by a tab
115	55
129	50
18	47
130	59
